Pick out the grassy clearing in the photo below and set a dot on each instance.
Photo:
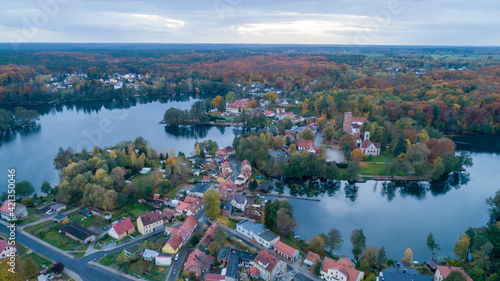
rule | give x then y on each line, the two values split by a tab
133	209
48	231
173	192
229	222
384	157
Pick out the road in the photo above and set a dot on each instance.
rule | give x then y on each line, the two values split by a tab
80	267
236	167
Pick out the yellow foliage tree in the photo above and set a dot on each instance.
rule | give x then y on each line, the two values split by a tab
408	258
357	154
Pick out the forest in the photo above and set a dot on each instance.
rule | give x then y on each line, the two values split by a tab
452	93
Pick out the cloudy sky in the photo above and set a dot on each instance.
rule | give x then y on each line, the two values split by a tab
377	22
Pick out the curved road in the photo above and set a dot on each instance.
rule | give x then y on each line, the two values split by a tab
79	266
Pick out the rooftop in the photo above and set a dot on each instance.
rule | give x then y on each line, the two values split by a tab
268	235
256	228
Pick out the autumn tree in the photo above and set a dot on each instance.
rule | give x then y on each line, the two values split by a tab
357	154
306	134
219	103
462	247
432	245
211	200
284	222
408	257
370	255
317	244
271	96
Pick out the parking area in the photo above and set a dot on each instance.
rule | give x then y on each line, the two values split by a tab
334	155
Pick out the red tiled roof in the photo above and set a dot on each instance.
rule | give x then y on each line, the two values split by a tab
367	143
123	226
266	258
313	257
284	248
306	143
194	200
3	245
254	271
5	206
208	236
268	112
169	213
198	259
343	265
358	119
150	218
446	270
183	206
174	241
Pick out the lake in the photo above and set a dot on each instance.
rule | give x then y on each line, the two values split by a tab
397	217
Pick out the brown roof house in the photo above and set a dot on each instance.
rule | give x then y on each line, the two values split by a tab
150	222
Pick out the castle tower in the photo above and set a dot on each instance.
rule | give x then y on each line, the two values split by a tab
347	122
367	135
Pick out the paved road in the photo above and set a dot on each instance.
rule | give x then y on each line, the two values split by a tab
236	167
80	267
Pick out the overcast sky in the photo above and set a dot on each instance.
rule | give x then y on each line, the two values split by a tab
385	22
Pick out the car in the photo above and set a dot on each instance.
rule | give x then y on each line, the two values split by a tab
176	257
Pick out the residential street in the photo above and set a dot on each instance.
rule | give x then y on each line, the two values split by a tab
236	167
80	267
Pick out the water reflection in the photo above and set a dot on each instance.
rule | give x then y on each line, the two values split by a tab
10	135
389	189
194	132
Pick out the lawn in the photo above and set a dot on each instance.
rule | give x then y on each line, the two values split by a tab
88	221
173	192
231	223
385	157
141	181
372	169
133	208
48	231
109	259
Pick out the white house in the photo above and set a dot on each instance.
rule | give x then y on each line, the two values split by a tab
149	255
18	211
341	270
368	147
6	250
145	171
250	229
163	260
238	202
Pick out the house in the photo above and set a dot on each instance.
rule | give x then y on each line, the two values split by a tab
209	235
351	124
283	102
267	266
121	229
280	111
59	218
78	233
226	166
286	251
311	259
224	153
19	211
99	213
169	215
268	239
150	222
6	250
227	189
308	145
186	208
432	265
368	147
180	235
237	105
149	255
279	154
269	113
443	271
236	260
142	200
197	202
241	181
238	202
57	207
134	249
198	262
343	269
161	260
264	187
250	229
145	171
226	209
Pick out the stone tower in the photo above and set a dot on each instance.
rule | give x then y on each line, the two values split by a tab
347	122
367	135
